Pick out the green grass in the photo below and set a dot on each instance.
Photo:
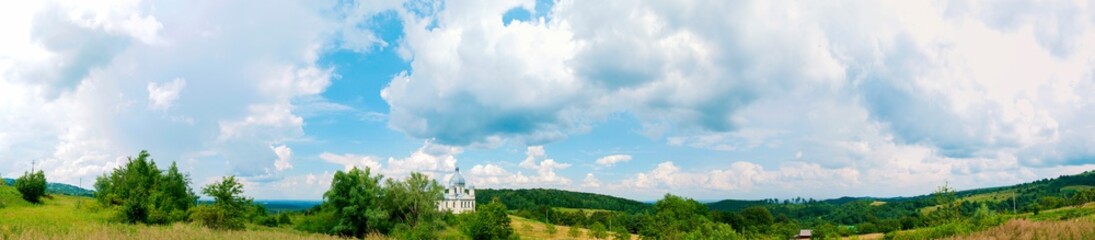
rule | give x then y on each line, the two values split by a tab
531	229
586	210
68	217
1074	188
992	196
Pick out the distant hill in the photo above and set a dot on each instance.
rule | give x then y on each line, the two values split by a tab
531	198
1022	193
59	188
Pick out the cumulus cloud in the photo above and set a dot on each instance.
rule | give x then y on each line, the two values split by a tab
591	181
350	161
161	96
430	159
492	175
89	69
764	76
613	159
284	154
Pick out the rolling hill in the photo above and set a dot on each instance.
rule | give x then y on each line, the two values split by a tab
59	188
532	198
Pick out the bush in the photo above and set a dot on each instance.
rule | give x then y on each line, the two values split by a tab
620	233
32	186
574	232
490	222
550	228
319	222
355	198
598	230
228	210
214	217
146	194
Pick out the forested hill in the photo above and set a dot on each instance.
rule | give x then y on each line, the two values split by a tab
59	188
532	198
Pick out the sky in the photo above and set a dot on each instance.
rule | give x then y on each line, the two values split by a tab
704	99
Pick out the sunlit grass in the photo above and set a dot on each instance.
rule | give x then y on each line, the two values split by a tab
529	229
67	217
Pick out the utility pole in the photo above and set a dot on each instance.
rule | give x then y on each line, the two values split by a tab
32	162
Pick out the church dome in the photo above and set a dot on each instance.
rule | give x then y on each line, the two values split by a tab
456	179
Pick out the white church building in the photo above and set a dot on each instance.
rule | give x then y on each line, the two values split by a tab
458	198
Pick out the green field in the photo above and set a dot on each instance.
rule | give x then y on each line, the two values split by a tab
68	217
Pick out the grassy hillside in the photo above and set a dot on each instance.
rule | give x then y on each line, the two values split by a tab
530	229
59	188
71	217
516	199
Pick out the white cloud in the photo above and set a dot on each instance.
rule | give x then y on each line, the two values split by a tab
590	181
162	96
86	69
532	155
350	161
284	155
491	175
430	159
613	159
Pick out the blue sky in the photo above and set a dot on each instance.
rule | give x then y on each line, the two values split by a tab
736	99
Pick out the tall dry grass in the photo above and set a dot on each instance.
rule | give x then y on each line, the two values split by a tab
1079	228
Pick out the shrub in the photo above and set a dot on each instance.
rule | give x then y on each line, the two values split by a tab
490	222
146	194
355	198
319	222
214	217
598	230
228	210
550	228
32	186
574	232
620	233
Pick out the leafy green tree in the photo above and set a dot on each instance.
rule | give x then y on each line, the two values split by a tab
355	199
598	230
490	222
757	216
229	209
145	193
172	197
32	186
946	200
413	200
1083	196
674	215
713	230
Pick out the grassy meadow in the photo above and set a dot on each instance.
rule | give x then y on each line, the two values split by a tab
68	217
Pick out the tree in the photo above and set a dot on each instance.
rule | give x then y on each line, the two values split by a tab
32	186
146	194
229	208
355	198
598	230
948	209
412	206
490	222
674	215
172	197
757	216
414	199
